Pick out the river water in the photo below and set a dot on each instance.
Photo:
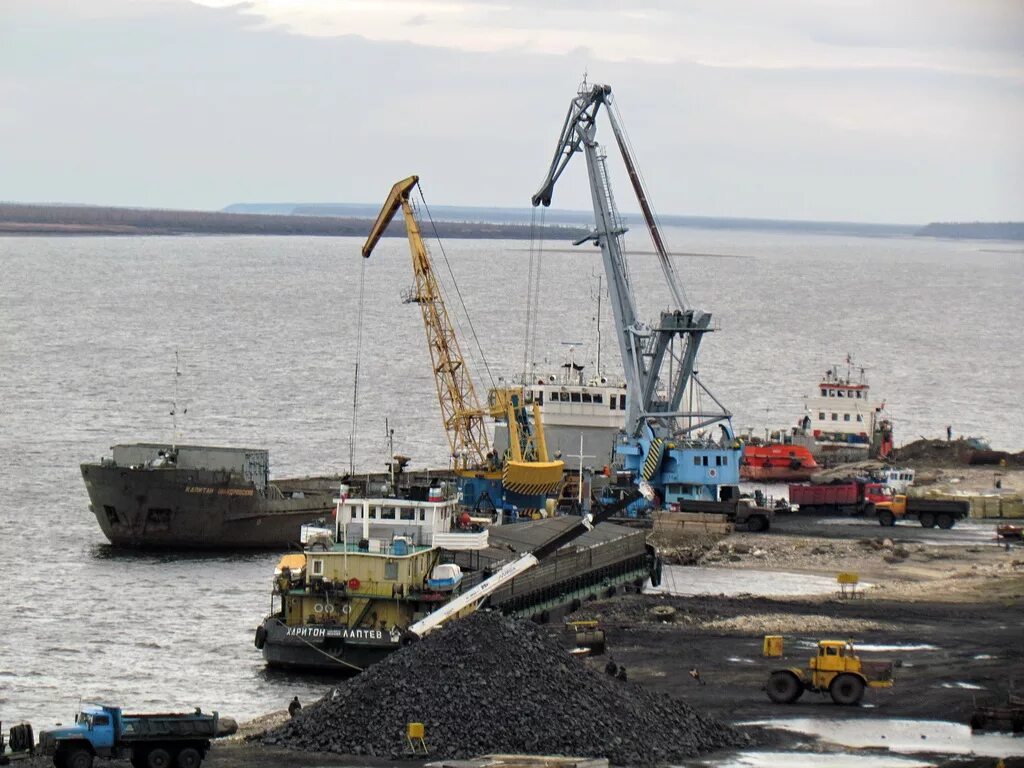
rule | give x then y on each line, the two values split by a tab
266	329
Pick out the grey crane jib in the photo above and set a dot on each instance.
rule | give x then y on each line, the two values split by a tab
644	349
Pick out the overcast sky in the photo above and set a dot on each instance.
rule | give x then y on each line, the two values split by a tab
900	111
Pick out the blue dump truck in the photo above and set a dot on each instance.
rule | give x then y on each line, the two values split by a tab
148	741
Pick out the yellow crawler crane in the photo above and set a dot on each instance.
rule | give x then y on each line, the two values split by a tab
525	475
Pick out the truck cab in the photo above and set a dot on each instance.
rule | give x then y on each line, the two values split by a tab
75	746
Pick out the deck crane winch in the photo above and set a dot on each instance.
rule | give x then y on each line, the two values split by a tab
524	477
668	441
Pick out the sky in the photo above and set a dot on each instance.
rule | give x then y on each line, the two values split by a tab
897	111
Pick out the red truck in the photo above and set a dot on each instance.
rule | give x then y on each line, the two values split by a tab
855	498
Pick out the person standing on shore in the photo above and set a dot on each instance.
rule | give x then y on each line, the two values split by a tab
294	707
949	433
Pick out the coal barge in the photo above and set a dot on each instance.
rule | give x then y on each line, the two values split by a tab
159	496
393	568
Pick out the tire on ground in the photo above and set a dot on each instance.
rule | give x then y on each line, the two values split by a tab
846	689
945	520
784	687
927	520
886	518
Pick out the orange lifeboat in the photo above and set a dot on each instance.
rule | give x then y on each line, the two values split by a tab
781	463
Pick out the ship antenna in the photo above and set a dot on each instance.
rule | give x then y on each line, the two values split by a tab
597	365
174	405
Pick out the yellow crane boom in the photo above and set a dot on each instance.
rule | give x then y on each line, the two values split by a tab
460	409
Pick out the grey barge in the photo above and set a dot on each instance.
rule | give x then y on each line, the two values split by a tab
158	496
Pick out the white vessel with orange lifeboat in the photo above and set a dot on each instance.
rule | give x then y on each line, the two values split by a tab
841	422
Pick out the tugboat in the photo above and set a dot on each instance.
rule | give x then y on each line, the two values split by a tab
162	496
394	568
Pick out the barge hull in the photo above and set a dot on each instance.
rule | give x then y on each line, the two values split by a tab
196	509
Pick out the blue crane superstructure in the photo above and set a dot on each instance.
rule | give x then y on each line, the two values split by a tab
685	451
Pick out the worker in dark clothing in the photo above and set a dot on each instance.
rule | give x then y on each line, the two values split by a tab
611	667
294	707
695	674
949	433
621	674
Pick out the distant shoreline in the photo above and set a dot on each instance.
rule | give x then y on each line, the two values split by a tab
78	221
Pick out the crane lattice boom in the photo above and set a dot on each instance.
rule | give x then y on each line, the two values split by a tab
460	409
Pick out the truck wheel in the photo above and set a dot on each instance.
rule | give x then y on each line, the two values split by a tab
784	688
927	520
189	758
79	757
945	520
846	689
158	758
757	524
886	518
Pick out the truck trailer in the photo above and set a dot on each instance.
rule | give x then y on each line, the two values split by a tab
856	498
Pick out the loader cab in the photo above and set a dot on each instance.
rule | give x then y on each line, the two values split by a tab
834	656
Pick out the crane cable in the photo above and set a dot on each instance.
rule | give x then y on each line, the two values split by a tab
529	296
533	284
355	375
643	183
458	292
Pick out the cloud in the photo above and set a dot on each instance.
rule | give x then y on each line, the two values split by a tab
981	38
165	102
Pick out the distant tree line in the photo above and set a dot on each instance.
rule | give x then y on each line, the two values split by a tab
975	230
102	220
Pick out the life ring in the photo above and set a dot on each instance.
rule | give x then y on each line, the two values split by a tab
353	583
712	472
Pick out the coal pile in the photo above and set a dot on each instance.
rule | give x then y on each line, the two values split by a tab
489	684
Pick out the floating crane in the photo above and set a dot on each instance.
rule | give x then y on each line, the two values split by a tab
669	441
524	477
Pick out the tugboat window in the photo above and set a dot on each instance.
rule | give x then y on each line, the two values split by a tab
696	461
611	403
389	513
318	567
846	417
821	415
599	398
391	570
860	417
575	397
587	398
407	514
622	402
835	417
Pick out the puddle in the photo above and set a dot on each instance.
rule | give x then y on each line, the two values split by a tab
905	736
967	686
698	580
816	760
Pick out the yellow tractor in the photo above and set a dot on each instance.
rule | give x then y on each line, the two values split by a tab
836	669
